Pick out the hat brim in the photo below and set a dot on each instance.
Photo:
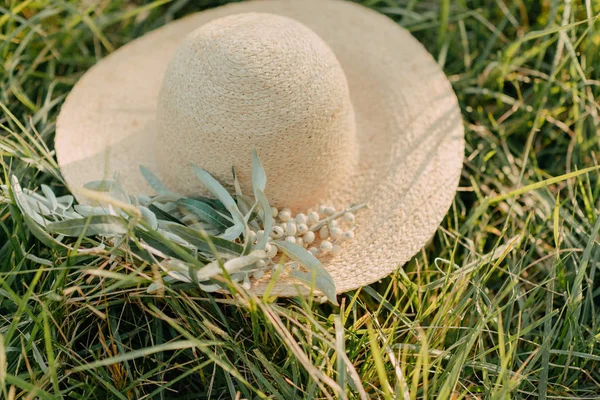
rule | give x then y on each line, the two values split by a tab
409	128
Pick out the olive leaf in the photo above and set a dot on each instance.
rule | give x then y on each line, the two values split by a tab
242	201
40	206
268	220
317	275
163	215
201	242
65	202
153	181
85	210
259	178
231	266
149	217
50	196
181	278
23	203
104	225
34	222
111	187
224	197
100	186
206	213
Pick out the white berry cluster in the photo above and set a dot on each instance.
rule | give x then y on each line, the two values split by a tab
320	232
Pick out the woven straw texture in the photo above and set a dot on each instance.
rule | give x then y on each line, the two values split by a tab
342	104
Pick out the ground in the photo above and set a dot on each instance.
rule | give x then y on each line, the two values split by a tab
503	303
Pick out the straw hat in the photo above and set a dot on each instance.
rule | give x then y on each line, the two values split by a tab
343	106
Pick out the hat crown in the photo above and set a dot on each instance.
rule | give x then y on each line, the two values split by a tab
258	81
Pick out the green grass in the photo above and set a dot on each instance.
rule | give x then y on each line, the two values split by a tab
503	303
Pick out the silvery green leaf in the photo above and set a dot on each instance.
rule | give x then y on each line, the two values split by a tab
205	213
104	186
240	276
112	188
36	197
117	192
49	193
86	211
38	206
233	232
180	271
176	269
91	226
163	215
149	217
69	214
165	198
217	190
317	274
65	201
236	183
250	219
43	236
142	199
268	220
231	266
23	204
195	238
155	286
176	238
153	181
259	178
224	197
243	202
214	203
159	244
209	288
38	260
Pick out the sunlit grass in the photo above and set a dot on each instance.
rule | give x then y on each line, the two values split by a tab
502	303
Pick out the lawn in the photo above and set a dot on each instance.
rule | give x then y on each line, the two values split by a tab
502	303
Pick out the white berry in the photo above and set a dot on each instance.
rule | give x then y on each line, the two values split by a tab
348	235
290	239
252	237
271	250
326	246
309	237
302	229
336	249
313	218
301	218
274	212
261	264
246	285
258	274
324	232
285	214
329	211
336	233
259	235
349	217
300	242
322	210
291	228
277	232
314	251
